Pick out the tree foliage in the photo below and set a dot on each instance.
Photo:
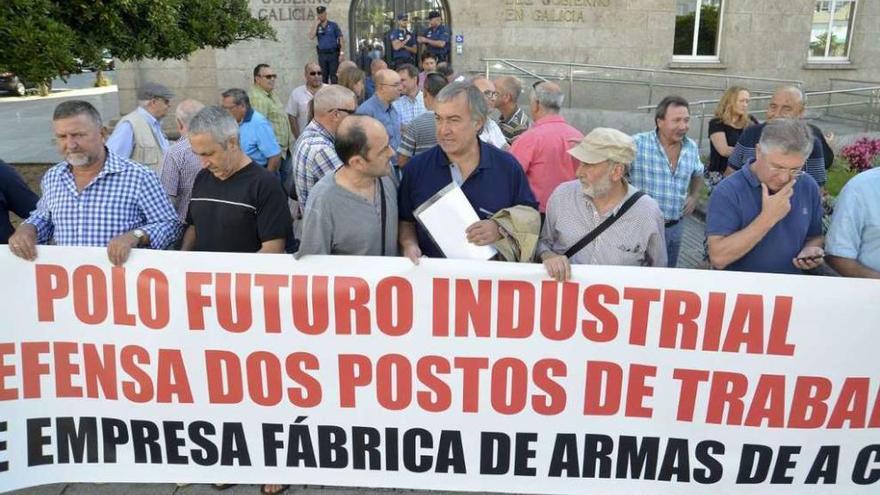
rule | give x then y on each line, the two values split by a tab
43	38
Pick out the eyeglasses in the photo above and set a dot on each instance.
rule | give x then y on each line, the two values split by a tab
349	112
490	94
315	73
269	76
795	173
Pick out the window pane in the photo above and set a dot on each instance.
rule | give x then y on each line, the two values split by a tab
685	16
840	27
710	21
832	25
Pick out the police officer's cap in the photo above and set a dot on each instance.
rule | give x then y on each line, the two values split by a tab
432	14
321	9
402	17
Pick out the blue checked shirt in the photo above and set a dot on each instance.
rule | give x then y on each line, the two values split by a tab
314	156
650	172
124	196
409	108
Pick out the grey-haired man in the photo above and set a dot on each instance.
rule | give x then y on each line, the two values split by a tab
577	207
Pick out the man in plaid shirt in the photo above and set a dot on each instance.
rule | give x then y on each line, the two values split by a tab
95	197
314	155
668	167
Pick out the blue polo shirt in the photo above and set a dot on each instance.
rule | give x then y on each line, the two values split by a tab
257	138
388	116
439	33
328	36
855	227
498	182
736	202
400	35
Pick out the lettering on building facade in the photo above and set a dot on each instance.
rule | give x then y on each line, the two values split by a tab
554	11
288	10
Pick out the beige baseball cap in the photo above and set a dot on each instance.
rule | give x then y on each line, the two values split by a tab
603	143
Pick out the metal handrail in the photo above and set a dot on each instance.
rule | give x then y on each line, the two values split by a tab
650	83
794	82
703	103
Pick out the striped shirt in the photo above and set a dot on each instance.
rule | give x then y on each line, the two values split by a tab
313	157
270	106
744	153
635	239
177	173
652	173
419	136
123	196
409	108
517	124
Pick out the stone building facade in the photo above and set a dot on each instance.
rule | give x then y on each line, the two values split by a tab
807	40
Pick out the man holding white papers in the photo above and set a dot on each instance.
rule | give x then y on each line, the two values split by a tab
491	179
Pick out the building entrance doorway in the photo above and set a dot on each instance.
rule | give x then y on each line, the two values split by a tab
370	22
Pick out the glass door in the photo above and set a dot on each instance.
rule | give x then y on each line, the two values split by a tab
370	22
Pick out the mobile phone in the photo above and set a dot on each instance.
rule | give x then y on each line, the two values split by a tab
811	258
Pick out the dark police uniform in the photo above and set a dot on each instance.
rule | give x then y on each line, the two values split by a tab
400	57
439	33
328	50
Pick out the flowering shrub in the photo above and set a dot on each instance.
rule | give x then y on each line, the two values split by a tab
861	153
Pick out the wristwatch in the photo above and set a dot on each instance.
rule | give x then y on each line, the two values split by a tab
140	235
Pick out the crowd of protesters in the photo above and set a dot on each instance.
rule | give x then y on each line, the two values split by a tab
344	166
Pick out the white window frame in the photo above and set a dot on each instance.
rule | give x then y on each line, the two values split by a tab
849	35
693	57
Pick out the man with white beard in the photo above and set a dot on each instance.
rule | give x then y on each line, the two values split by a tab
95	197
599	218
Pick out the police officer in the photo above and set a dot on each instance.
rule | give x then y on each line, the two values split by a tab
403	43
436	38
329	45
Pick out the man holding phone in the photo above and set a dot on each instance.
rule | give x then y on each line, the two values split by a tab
767	217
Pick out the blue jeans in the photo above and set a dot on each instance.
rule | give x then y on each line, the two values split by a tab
673	243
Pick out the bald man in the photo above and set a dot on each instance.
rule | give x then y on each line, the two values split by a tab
379	106
787	103
353	211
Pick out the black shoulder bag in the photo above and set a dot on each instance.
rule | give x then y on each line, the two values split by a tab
604	225
384	213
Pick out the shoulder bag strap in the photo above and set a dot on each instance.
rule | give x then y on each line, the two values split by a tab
604	225
384	212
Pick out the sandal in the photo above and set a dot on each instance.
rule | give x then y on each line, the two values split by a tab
283	489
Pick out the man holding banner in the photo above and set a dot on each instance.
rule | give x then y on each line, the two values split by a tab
767	217
95	197
600	219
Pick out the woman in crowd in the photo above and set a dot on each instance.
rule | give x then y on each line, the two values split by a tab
353	79
731	117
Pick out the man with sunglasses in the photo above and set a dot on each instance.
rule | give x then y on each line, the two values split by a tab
314	154
265	100
138	135
298	102
767	217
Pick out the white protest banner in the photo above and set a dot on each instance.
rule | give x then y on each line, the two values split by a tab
456	375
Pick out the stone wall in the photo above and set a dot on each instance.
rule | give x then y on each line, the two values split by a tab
760	38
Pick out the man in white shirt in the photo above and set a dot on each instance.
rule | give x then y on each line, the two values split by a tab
298	103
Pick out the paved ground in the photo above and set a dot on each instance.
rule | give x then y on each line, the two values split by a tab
170	489
27	120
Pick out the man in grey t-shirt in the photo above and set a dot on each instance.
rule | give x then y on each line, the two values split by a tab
354	210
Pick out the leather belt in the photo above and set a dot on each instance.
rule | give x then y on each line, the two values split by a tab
671	223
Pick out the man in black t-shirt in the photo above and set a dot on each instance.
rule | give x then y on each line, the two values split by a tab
236	205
